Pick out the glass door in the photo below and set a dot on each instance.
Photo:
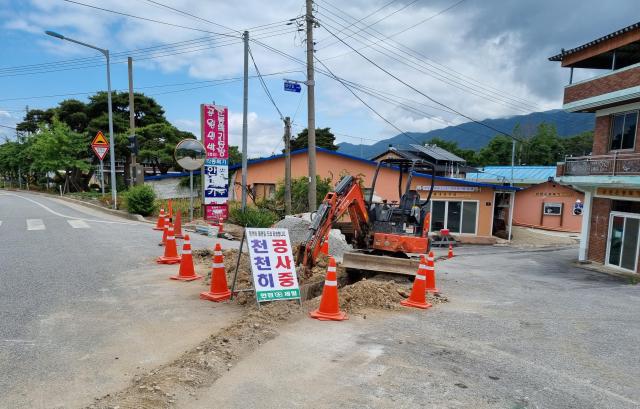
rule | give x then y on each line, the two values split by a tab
622	246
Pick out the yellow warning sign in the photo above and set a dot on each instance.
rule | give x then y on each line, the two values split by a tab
100	140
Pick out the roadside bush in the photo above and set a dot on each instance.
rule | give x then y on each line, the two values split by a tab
140	200
252	217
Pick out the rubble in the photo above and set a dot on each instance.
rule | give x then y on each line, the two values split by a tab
298	227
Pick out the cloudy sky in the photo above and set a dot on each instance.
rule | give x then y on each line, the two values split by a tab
484	58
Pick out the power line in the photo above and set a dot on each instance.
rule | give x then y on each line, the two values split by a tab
420	92
427	61
443	77
371	24
359	20
264	85
191	15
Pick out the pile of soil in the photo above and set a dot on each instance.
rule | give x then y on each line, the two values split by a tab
204	364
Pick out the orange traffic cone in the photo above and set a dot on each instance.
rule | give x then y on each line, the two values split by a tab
178	226
450	254
431	275
186	272
329	309
170	250
170	207
219	289
418	296
160	224
165	232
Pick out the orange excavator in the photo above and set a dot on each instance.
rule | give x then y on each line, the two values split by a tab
382	234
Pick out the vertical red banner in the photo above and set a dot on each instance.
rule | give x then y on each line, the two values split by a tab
215	131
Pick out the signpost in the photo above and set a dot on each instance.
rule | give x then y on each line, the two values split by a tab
100	146
292	86
272	264
215	136
190	155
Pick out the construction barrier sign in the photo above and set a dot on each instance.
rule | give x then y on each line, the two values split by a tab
272	264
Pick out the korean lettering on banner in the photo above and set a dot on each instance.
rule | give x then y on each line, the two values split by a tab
272	264
215	128
215	137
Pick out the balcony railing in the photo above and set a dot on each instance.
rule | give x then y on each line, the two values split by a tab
603	165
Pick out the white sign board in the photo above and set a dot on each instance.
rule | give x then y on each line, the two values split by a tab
272	264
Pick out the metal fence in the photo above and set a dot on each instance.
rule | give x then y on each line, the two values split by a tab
612	165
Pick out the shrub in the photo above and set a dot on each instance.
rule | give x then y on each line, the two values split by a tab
141	200
300	192
252	217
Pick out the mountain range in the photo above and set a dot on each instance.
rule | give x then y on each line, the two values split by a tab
471	135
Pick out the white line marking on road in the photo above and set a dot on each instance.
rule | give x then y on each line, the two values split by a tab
70	217
78	224
35	224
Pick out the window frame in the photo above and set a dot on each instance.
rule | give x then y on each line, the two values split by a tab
635	131
446	215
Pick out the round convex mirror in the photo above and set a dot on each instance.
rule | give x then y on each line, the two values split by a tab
190	154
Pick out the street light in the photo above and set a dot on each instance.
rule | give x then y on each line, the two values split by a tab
112	160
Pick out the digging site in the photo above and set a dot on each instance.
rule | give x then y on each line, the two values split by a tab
359	293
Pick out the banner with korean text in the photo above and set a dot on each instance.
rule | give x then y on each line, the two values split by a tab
272	264
215	138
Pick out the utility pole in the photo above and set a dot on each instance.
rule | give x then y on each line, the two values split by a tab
132	126
513	158
245	107
311	108
287	165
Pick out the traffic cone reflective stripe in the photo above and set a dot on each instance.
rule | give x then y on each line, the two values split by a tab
160	224
186	272
450	253
170	250
165	231
418	296
431	275
178	225
219	289
329	309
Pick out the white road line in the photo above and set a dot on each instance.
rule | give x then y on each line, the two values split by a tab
78	224
35	224
69	217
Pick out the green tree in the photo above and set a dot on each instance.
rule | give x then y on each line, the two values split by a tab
235	156
497	152
578	145
300	192
58	149
544	147
324	139
156	144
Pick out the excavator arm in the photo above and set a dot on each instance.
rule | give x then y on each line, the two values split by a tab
347	197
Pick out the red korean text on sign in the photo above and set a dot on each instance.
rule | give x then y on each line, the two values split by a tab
215	127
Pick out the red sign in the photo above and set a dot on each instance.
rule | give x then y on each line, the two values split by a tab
216	212
100	145
215	131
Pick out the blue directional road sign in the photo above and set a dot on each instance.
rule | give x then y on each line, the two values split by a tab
292	86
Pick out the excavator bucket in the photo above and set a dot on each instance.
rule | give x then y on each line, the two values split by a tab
380	264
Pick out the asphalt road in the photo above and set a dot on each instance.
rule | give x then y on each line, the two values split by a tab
83	305
523	329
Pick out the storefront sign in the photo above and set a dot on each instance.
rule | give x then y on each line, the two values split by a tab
619	192
216	212
449	188
555	194
272	264
215	137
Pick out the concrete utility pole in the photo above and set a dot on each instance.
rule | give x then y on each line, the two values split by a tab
287	165
245	107
311	108
132	127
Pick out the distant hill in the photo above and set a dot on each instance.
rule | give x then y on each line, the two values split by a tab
471	135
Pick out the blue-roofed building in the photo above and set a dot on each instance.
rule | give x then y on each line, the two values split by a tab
522	175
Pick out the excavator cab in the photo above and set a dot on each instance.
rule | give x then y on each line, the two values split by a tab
401	227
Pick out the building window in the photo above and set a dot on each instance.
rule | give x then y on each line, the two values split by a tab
457	216
262	191
622	246
623	130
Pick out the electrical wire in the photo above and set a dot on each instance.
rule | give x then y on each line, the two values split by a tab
419	91
264	85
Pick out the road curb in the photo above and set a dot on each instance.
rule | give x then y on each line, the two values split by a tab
118	213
